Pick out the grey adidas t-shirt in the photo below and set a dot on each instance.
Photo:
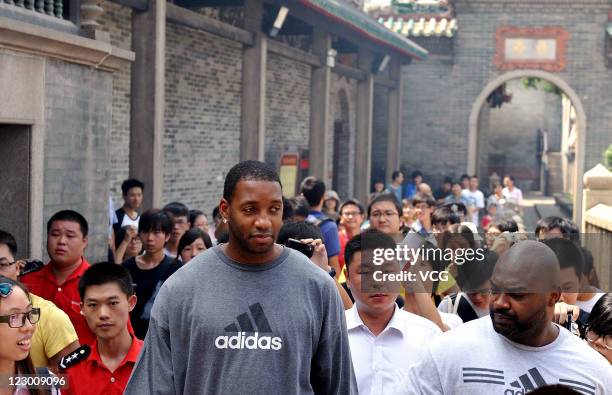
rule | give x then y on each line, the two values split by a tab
221	327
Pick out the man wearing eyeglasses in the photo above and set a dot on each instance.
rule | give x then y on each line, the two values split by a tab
55	336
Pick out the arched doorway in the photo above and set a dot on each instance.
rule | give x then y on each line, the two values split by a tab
474	120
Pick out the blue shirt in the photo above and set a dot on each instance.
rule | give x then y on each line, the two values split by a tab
329	230
395	191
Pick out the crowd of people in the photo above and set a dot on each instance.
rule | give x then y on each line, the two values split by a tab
276	295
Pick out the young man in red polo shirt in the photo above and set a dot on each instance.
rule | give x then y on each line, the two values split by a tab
58	280
108	297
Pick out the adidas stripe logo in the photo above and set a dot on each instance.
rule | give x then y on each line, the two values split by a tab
583	388
249	331
484	376
526	381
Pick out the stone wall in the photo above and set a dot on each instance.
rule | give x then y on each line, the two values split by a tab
78	106
439	93
202	136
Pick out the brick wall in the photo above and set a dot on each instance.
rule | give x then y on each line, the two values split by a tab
439	94
201	140
117	20
78	105
287	119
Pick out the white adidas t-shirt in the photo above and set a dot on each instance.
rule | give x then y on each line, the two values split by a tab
474	359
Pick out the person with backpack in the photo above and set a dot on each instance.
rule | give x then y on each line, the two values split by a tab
313	191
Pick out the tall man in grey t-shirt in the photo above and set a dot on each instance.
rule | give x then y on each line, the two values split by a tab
249	316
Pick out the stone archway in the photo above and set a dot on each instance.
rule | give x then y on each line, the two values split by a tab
580	116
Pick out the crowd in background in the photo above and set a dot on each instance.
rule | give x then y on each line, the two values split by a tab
49	312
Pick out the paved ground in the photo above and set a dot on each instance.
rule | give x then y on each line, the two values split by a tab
537	206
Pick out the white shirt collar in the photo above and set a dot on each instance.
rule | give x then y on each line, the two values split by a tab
353	320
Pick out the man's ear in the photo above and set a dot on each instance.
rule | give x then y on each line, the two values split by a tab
85	240
132	302
554	297
224	209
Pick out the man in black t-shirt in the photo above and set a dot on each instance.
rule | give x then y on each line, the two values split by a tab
150	270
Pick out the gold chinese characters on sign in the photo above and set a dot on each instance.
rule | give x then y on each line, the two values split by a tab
525	48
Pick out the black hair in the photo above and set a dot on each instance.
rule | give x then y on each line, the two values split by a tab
554	389
298	230
103	273
507	226
444	215
416	173
8	240
373	188
287	209
250	170
385	197
510	177
190	236
215	212
353	202
473	273
568	254
464	176
447	180
193	215
589	267
71	216
177	209
131	183
600	320
395	175
568	229
313	190
154	219
423	198
300	206
366	241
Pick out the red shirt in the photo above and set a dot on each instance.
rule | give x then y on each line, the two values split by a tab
65	296
91	377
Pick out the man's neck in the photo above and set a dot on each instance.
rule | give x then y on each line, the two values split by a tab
233	250
376	323
548	335
426	224
395	184
352	231
62	273
510	188
318	207
154	258
130	211
113	351
172	246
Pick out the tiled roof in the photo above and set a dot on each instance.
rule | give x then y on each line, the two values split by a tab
420	26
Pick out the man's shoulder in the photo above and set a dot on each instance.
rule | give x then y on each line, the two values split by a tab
413	321
466	335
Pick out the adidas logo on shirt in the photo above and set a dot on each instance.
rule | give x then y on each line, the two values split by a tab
248	333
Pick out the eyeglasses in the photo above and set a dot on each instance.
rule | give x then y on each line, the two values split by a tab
350	213
18	320
592	337
388	214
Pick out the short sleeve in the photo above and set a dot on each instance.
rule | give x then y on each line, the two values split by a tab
56	330
331	238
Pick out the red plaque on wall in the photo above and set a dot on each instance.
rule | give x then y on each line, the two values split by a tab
531	48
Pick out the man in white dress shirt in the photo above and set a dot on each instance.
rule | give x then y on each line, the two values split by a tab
384	339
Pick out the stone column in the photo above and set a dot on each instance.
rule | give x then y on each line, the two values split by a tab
363	142
395	119
254	60
148	99
319	107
